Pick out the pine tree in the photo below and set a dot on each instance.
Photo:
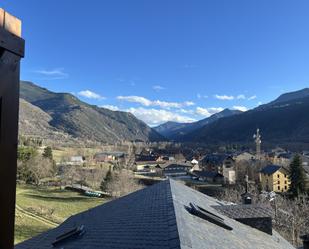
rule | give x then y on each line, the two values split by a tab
108	178
48	153
297	177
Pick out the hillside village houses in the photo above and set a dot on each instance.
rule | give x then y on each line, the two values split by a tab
223	168
77	160
108	156
222	164
274	178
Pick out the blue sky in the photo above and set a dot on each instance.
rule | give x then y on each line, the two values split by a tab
166	59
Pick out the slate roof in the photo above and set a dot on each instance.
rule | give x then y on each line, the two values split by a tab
174	165
270	169
210	174
156	217
216	159
175	171
244	211
115	153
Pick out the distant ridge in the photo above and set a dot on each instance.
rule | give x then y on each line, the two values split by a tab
176	131
66	114
283	121
291	96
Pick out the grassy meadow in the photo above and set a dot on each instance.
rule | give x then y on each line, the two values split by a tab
40	209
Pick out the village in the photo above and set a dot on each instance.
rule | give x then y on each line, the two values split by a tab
256	179
268	170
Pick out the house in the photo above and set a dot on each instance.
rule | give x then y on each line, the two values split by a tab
147	158
215	162
274	178
149	170
244	156
229	174
208	176
176	170
221	163
305	164
167	215
108	156
141	165
283	159
77	160
228	170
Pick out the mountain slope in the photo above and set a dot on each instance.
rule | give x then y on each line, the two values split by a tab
284	121
35	122
81	120
170	128
177	131
286	97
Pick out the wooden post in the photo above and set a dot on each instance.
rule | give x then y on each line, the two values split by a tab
11	51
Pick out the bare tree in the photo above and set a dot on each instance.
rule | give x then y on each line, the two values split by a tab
38	168
122	183
70	175
291	217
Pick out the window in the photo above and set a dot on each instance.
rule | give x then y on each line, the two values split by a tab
285	182
77	231
278	182
278	187
285	187
206	215
278	176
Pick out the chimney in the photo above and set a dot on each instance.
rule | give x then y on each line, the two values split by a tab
305	239
256	216
246	197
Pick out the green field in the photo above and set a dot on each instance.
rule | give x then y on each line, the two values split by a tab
40	209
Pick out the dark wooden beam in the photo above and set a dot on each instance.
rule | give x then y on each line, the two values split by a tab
11	51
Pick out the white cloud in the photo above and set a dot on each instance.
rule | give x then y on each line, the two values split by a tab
185	111
188	103
241	96
111	107
54	74
146	102
252	97
199	96
208	111
224	97
90	95
135	99
164	104
231	97
240	108
155	117
158	88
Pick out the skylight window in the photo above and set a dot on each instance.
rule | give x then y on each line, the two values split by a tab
206	215
77	231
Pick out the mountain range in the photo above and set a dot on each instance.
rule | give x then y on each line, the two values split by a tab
62	115
178	131
282	121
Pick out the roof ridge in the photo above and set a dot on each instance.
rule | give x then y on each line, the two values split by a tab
174	239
